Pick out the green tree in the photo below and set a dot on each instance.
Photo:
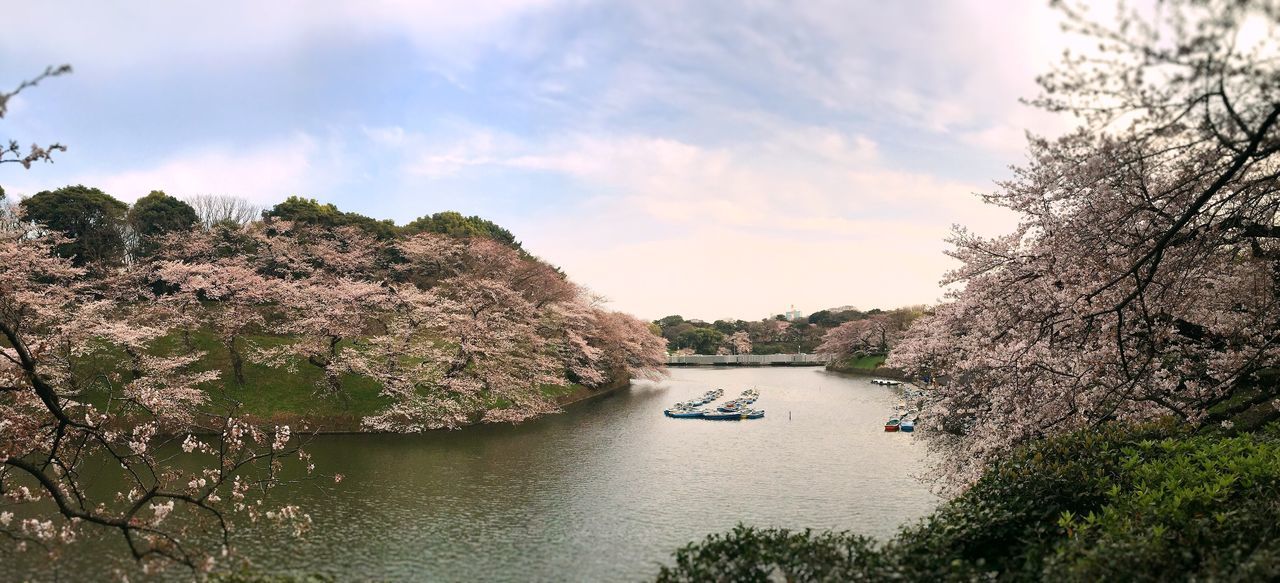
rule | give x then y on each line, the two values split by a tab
453	224
309	211
822	318
701	340
670	321
93	219
728	327
156	214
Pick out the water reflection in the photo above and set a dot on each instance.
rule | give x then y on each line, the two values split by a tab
607	490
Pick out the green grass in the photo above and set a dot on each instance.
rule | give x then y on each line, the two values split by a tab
858	363
270	391
269	394
557	391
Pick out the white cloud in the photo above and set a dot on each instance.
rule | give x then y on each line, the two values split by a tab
264	174
724	157
439	157
805	214
106	38
745	229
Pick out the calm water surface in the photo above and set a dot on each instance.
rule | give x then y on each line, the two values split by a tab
607	490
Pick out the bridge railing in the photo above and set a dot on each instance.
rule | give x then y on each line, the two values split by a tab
749	359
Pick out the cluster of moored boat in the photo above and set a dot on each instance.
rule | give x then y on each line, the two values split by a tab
885	382
734	409
903	420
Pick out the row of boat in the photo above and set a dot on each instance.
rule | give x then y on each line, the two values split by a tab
708	397
904	420
885	382
735	409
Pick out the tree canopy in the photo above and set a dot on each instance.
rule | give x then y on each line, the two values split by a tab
92	219
454	224
309	211
1142	279
157	214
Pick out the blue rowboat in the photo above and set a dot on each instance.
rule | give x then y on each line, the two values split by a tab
733	416
907	426
684	413
720	416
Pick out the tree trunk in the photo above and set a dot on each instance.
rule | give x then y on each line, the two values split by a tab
237	361
135	368
331	386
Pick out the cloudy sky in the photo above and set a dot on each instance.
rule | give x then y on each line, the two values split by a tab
711	158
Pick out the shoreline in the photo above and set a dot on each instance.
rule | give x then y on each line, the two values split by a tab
878	371
350	425
892	374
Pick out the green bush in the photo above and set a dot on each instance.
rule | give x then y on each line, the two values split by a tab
748	554
1119	503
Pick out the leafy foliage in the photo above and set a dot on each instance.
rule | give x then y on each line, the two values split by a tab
454	224
700	340
1148	503
105	371
1142	280
156	215
307	211
749	554
92	220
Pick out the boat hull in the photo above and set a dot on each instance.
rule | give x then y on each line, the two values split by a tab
735	416
683	414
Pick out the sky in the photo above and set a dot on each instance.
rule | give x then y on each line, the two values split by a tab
714	159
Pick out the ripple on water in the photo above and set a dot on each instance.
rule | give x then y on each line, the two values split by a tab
609	489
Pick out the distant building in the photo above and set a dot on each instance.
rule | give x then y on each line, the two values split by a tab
842	309
793	314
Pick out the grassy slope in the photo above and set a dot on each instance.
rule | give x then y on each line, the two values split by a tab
275	394
861	364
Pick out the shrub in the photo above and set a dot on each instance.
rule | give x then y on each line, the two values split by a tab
1118	503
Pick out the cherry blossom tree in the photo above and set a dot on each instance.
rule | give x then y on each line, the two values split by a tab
237	297
740	342
467	351
1141	281
875	334
776	330
288	251
631	346
326	289
139	422
429	258
573	328
91	382
318	314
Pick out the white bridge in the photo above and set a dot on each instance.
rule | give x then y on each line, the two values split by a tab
749	360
